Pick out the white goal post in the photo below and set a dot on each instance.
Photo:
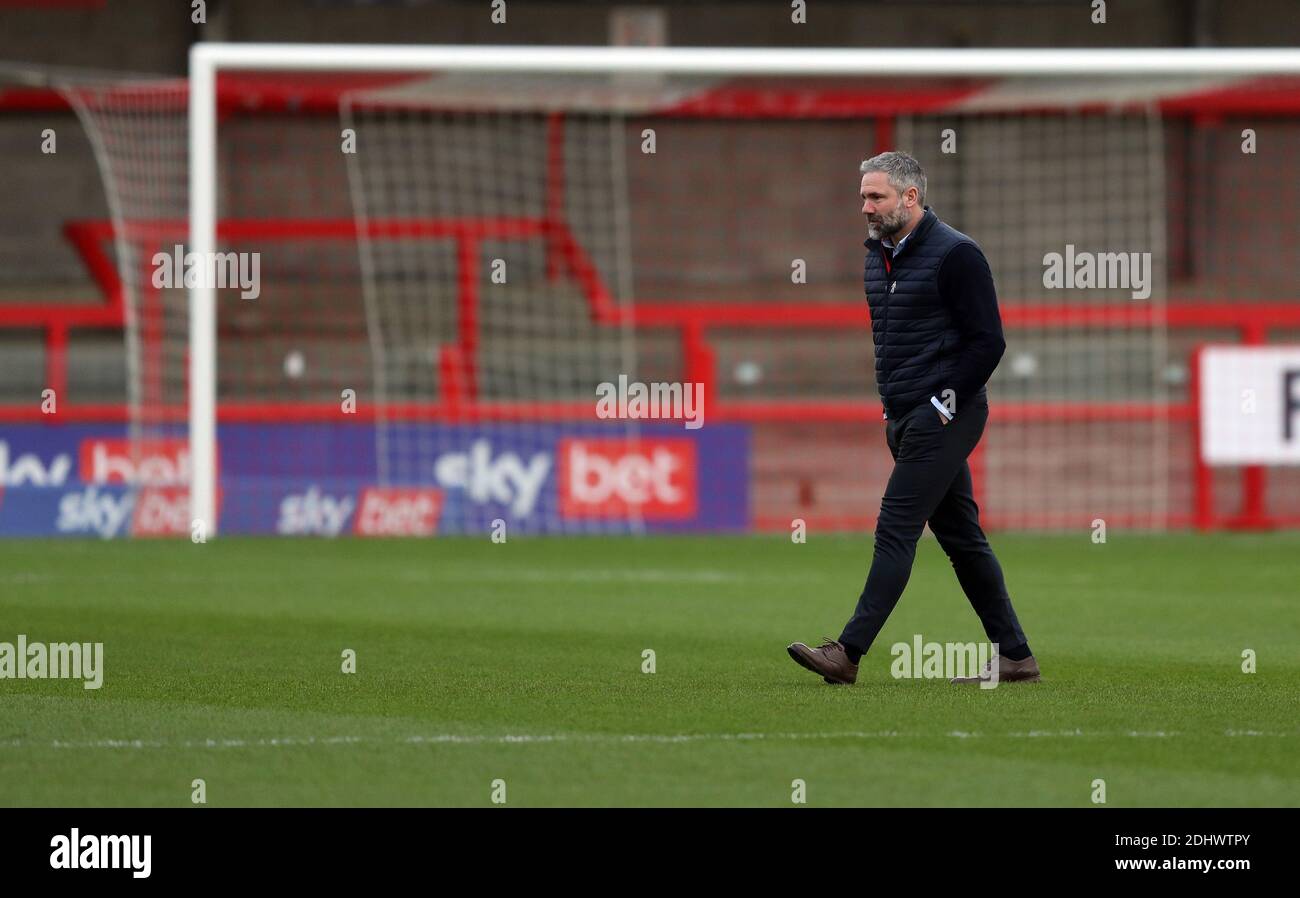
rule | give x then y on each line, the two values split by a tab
208	60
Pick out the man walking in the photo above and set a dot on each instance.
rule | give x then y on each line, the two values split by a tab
938	337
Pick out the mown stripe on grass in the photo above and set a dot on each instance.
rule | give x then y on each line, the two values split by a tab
611	738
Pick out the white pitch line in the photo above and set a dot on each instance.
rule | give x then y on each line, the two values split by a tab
598	738
461	575
596	575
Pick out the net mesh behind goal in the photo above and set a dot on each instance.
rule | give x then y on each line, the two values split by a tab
451	264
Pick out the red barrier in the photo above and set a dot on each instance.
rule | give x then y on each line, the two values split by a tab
693	320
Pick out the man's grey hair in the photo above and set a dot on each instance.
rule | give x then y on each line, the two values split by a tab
902	170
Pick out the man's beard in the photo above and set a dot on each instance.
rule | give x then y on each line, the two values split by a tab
889	224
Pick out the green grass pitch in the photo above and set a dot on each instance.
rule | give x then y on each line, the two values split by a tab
523	662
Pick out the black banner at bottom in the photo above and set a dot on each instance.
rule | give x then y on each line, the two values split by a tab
215	847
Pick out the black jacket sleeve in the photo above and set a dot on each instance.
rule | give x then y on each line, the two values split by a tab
966	288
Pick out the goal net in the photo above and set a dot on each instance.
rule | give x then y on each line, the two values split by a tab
436	261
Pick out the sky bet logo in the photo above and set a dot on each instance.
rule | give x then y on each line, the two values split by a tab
604	478
154	462
92	510
147	511
315	513
504	479
27	469
398	511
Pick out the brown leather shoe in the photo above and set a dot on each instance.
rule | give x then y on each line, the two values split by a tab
828	659
1008	672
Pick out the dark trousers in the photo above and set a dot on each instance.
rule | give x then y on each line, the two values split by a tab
931	484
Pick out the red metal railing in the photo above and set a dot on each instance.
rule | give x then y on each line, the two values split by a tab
459	400
458	371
